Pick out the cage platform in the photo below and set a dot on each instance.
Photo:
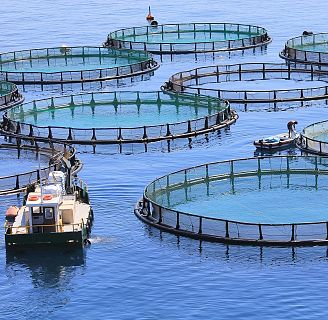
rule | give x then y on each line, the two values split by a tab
257	84
121	117
189	38
73	65
310	49
257	201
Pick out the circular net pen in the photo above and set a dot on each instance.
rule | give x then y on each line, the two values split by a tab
256	201
314	138
254	84
312	48
65	65
117	118
189	38
9	95
39	158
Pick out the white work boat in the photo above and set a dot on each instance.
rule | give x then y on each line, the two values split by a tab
278	141
52	214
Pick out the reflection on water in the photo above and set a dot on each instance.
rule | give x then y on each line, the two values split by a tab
48	267
237	254
45	277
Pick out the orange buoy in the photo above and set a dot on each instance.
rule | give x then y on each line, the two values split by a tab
149	16
47	197
33	197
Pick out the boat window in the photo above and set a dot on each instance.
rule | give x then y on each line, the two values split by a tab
36	211
48	213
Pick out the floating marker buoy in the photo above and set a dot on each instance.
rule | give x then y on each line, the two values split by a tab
149	16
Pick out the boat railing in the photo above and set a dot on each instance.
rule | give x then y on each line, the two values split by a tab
44	228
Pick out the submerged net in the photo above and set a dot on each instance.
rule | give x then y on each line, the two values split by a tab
117	117
73	64
189	38
207	81
231	201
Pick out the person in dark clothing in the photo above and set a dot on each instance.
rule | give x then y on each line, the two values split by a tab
291	128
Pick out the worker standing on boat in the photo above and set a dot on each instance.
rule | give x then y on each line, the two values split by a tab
291	128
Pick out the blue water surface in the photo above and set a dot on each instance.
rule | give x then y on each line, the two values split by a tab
131	271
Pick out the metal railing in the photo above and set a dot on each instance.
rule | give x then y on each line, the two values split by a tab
219	115
156	206
308	140
293	52
44	228
18	182
195	81
137	63
9	95
248	37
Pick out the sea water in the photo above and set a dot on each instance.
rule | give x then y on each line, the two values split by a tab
131	271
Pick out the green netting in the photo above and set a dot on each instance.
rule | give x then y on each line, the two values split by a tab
73	64
311	48
186	38
231	201
118	117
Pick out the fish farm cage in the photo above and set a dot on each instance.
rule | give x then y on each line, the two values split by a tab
311	48
231	201
61	157
189	38
314	138
207	81
65	65
9	95
117	118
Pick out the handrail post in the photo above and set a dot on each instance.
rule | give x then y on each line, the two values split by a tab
178	221
227	229
293	233
260	232
200	230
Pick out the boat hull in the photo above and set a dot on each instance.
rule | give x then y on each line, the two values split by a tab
285	142
76	238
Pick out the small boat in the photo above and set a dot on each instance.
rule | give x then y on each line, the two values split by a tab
278	141
53	213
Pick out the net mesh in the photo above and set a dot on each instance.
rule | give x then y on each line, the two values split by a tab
312	48
167	192
200	81
208	114
189	38
74	64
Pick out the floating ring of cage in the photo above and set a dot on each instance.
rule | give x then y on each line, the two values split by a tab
189	38
310	48
257	201
9	95
73	65
230	82
117	117
314	138
57	156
